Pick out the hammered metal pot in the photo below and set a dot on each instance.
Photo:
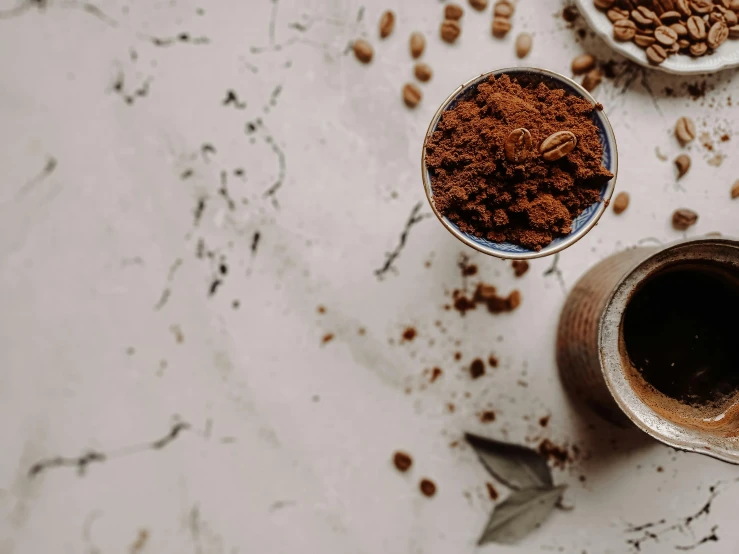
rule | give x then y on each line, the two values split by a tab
592	361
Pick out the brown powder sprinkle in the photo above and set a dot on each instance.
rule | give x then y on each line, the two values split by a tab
529	202
451	407
328	337
402	461
457	356
558	455
435	374
477	368
492	493
487	416
321	309
493	361
409	334
544	421
427	487
520	267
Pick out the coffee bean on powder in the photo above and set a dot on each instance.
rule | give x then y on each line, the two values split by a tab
402	461
479	5
665	35
583	63
656	54
735	190
592	80
696	28
422	72
362	50
518	145
501	26
685	130
450	31
453	11
524	43
717	35
558	145
411	95
682	162
387	24
621	203
417	44
624	30
503	9
684	218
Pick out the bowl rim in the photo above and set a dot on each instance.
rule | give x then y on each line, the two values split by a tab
570	239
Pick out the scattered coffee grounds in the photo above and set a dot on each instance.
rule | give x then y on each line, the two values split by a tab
486	294
488	175
544	421
520	267
492	493
451	407
557	455
477	368
493	361
427	487
328	337
402	461
409	334
435	374
457	356
487	417
321	309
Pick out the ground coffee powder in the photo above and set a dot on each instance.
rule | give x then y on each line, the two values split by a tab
528	201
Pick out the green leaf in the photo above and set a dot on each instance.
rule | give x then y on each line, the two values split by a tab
517	467
520	514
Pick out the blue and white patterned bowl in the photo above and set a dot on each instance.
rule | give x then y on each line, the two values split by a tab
582	223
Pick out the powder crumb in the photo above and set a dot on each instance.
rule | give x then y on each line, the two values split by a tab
435	374
451	407
570	14
402	461
492	493
493	361
321	309
660	469
409	334
487	416
520	267
328	337
717	160
427	487
559	456
457	356
477	368
361	331
725	138
544	421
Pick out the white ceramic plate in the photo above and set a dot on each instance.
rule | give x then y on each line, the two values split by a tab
725	57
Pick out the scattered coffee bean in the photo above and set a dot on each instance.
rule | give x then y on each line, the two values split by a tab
735	190
387	24
428	488
592	80
682	162
362	50
656	54
684	218
503	9
423	72
501	26
520	267
411	95
558	145
685	130
417	44
402	461
453	11
717	35
698	49
583	63
665	35
518	145
696	28
624	30
479	5
621	203
450	31
604	4
524	43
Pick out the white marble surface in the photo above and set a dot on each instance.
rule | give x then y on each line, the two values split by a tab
109	336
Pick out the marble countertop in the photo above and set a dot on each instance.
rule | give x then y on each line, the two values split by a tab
213	237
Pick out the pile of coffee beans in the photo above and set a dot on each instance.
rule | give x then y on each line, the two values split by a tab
666	27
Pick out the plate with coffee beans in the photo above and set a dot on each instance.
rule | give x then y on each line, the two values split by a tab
519	163
676	36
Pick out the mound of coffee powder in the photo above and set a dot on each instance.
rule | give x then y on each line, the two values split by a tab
490	175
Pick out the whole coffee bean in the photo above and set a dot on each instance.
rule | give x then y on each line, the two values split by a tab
735	190
734	31
617	14
701	7
683	6
717	35
422	72
503	9
501	26
685	130
683	44
665	36
411	95
387	24
684	218
621	203
644	16
453	11
583	63
731	18
698	49
363	50
558	145
417	44
696	28
402	461
624	30
644	41
682	162
670	17
479	5
715	17
450	31
648	31
604	4
656	54
518	145
524	43
592	80
680	29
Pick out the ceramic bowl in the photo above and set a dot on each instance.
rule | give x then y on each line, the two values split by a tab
725	57
583	223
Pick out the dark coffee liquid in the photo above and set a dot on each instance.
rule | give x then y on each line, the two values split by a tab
681	331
